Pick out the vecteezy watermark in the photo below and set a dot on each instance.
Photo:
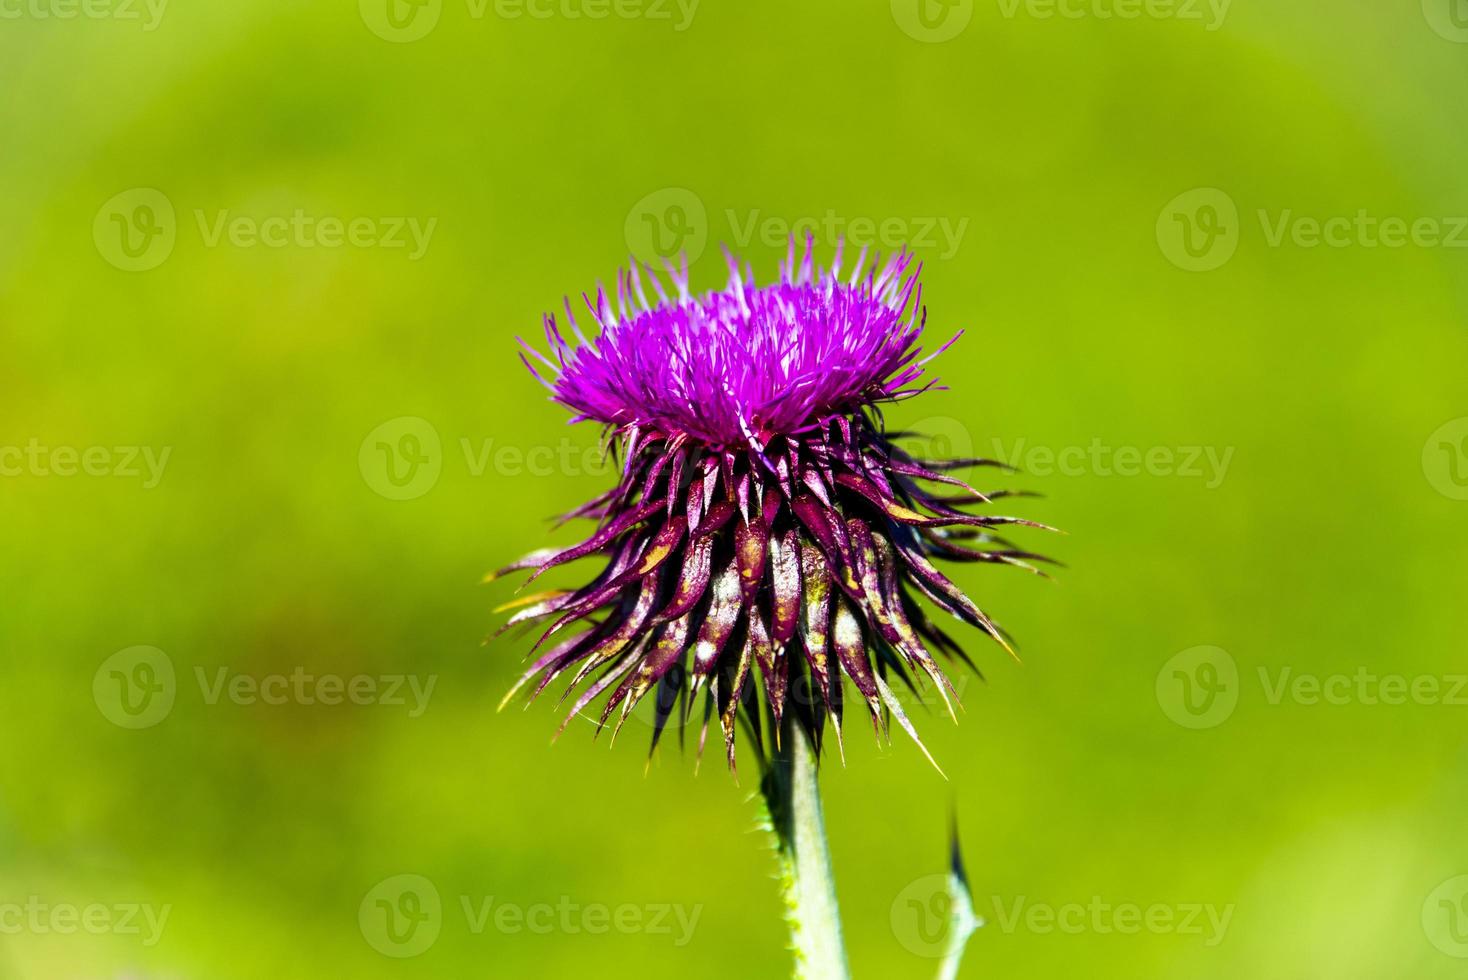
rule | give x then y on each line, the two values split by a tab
149	13
921	916
678	13
38	917
137	688
403	21
673	222
1210	13
940	437
565	458
1362	229
1449	18
303	688
403	458
1362	686
404	915
1445	459
1200	687
1200	230
925	233
1207	463
569	917
1100	917
300	229
1445	917
145	463
935	21
138	229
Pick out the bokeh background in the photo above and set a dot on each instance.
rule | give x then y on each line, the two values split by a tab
1255	439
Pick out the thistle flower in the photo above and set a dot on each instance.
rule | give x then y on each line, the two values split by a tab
767	533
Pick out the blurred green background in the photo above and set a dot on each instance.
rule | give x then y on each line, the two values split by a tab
1117	209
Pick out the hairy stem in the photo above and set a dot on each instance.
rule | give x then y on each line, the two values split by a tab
792	793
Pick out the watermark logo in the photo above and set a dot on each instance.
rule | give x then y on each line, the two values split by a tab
932	21
1445	917
1445	459
674	220
1449	18
400	21
136	687
1199	230
941	437
404	915
402	458
1199	688
923	914
401	916
666	224
936	438
136	230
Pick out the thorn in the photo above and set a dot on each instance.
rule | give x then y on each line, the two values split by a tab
840	742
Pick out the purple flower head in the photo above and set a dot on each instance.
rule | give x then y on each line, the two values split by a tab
738	367
767	534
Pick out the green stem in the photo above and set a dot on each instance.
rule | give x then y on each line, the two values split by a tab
792	793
